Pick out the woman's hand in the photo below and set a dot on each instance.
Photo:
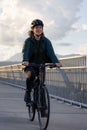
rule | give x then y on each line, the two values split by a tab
58	64
25	63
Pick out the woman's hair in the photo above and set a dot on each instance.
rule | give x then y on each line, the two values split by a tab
33	24
31	33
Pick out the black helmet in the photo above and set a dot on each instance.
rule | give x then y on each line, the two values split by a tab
36	22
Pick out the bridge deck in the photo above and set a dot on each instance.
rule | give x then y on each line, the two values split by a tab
13	113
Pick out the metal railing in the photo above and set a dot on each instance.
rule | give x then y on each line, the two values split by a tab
74	61
68	83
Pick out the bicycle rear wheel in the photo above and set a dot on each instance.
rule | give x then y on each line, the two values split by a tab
43	108
31	107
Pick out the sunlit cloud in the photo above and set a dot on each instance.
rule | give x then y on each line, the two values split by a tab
16	16
8	51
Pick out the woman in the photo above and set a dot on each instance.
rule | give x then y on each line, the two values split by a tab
37	49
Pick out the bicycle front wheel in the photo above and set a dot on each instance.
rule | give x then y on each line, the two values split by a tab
43	108
31	107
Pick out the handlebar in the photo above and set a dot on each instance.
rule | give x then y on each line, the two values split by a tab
50	65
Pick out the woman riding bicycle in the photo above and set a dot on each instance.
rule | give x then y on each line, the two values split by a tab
37	49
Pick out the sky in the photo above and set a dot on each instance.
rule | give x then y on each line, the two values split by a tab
65	25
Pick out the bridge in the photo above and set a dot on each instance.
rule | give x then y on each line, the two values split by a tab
68	95
14	116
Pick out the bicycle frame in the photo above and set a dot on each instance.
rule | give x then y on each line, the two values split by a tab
41	76
41	96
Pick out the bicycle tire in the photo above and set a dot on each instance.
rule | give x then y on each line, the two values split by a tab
44	120
31	107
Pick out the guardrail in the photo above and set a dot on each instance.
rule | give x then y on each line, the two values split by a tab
67	84
74	61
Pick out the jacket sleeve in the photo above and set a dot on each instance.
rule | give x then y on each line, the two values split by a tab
25	50
51	53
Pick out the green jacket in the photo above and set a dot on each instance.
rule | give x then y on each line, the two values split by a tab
38	51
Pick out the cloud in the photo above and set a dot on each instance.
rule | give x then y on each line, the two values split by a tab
65	44
79	27
82	49
8	51
16	16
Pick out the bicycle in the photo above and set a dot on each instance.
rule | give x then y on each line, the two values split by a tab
40	100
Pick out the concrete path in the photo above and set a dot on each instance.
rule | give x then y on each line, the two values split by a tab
14	116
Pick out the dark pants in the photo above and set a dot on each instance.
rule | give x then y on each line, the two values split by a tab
34	73
29	81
